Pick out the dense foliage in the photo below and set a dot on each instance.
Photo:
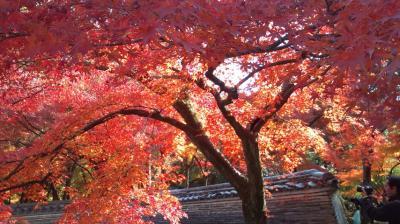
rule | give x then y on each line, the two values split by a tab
97	96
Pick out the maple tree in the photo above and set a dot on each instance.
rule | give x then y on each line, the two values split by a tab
81	82
357	149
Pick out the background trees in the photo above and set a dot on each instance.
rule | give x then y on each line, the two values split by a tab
244	82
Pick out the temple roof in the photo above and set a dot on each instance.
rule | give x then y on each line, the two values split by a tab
279	183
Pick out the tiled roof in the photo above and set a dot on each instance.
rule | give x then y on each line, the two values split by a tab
29	208
288	182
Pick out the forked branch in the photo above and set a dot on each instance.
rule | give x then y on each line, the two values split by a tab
280	100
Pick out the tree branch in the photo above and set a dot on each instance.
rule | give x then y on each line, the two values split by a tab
231	91
287	90
27	97
273	47
221	103
271	109
14	171
76	162
239	129
197	135
135	111
318	116
125	111
119	43
251	74
25	184
10	35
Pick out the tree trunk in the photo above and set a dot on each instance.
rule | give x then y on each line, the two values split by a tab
249	187
366	172
53	192
253	207
253	196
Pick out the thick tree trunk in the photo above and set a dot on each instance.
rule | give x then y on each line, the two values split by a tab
253	207
249	187
253	195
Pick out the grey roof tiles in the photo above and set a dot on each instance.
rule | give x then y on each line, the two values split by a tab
288	182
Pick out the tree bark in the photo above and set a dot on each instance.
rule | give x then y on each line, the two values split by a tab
253	195
253	211
366	172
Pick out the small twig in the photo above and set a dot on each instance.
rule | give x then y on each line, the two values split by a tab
260	68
